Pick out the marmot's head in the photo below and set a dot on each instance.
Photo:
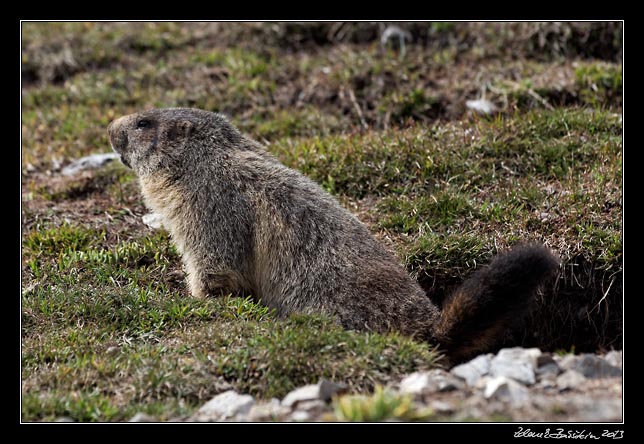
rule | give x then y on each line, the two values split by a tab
171	138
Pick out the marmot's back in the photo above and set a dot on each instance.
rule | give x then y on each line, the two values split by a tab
245	223
312	255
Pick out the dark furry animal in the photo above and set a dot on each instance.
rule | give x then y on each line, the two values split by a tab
246	224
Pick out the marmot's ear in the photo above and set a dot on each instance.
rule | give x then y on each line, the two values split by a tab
182	128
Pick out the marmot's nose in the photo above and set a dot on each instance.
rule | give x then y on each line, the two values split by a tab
114	133
113	125
110	127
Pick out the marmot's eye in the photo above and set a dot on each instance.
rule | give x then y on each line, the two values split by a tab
142	123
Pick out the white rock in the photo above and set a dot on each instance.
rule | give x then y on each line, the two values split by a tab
569	380
519	371
529	355
482	106
516	363
415	383
304	393
436	380
471	371
567	362
506	389
88	163
224	406
153	220
614	358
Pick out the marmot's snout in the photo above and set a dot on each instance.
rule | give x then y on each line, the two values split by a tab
118	139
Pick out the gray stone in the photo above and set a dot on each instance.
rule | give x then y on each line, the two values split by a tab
567	362
153	220
90	162
516	363
592	366
327	389
224	406
301	394
548	369
437	380
570	379
143	417
505	389
614	358
472	370
519	371
322	391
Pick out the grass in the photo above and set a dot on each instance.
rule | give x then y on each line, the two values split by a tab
104	337
108	326
382	405
102	347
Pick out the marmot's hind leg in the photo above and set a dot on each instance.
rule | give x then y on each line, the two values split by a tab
203	284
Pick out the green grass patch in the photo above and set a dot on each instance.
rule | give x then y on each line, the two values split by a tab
107	333
540	145
599	83
435	212
64	238
121	355
305	349
382	405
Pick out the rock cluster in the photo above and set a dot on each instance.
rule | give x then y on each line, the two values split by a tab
516	384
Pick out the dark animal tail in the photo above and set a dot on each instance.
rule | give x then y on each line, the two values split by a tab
492	300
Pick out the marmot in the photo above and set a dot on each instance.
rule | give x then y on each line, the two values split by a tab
246	224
